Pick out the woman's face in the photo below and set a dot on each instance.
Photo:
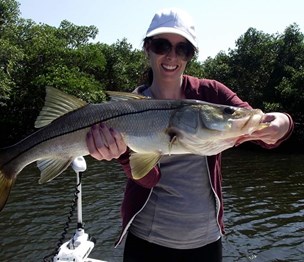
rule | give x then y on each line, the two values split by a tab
170	65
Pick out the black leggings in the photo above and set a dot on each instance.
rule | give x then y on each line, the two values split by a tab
139	250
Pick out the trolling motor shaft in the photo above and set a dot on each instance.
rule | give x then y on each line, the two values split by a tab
79	165
78	248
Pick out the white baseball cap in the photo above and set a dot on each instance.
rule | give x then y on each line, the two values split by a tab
174	21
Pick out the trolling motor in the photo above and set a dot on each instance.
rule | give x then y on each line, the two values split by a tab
78	248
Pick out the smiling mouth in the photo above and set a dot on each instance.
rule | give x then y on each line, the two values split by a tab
169	67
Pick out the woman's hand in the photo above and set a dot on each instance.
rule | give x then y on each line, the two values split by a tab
278	127
105	143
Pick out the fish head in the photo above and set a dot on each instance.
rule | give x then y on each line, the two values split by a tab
206	120
230	120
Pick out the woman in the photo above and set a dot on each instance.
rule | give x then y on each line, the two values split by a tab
175	213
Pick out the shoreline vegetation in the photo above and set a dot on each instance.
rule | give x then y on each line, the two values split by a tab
264	69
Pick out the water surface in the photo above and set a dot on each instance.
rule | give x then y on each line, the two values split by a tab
264	209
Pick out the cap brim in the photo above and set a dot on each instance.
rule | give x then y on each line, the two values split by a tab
170	30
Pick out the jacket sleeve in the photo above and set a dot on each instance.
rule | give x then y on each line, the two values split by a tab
148	181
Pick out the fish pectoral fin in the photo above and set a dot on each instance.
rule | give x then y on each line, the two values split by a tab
57	103
5	189
141	164
172	141
51	168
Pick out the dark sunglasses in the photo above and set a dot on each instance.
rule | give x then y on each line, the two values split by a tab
161	46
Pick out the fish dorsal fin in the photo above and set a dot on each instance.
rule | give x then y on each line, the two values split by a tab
57	103
51	168
141	164
118	96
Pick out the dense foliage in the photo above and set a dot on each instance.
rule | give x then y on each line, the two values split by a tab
266	70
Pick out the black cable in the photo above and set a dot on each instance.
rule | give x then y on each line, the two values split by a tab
50	257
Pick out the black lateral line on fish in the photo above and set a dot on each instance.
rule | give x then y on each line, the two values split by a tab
85	126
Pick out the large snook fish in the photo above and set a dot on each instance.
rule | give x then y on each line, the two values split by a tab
151	128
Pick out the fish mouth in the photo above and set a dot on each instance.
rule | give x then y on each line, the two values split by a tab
247	121
254	121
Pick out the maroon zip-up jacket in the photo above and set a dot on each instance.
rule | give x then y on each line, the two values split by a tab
137	192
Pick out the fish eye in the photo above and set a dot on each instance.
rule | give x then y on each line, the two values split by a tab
229	110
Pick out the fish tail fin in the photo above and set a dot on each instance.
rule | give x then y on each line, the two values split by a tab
5	188
8	174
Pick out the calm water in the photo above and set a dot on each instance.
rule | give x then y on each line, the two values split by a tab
264	202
